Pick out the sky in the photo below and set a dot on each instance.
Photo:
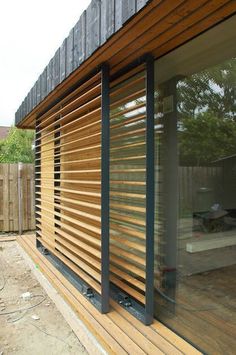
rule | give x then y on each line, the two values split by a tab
30	33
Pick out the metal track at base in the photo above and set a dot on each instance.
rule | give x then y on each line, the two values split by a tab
85	289
128	303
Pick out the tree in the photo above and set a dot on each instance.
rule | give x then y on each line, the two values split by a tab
211	90
207	120
205	139
17	147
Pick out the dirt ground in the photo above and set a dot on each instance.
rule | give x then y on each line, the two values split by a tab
19	332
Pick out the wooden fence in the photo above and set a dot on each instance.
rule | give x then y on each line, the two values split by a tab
191	180
16	189
199	187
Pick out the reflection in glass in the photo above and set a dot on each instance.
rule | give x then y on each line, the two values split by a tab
195	242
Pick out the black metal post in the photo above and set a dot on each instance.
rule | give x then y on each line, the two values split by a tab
149	295
105	180
170	187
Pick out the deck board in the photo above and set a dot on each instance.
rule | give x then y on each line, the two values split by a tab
118	331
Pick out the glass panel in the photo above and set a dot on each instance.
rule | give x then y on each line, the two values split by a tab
195	223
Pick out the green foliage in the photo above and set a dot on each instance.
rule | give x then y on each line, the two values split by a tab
207	120
17	147
206	138
211	90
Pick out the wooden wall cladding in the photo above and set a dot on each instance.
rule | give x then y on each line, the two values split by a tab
68	181
96	25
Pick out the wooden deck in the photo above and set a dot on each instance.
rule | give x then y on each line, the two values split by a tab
204	312
118	332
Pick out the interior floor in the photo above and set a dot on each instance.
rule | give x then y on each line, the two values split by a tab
204	310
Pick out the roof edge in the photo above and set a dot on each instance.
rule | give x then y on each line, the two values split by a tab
101	20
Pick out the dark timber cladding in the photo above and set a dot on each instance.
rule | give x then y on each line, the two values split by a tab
99	22
105	184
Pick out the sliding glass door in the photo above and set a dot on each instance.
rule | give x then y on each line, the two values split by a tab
195	217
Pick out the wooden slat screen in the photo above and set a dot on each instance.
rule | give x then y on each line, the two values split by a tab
68	181
72	145
128	185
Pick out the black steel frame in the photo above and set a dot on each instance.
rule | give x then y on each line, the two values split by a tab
105	187
150	195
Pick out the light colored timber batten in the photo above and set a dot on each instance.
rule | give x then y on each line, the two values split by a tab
68	181
128	183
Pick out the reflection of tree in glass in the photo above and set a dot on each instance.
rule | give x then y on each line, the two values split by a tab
206	107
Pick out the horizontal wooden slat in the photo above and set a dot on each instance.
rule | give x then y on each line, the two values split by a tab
127	85
129	244
127	182
82	171
82	120
73	210
88	106
83	193
134	208
74	142
78	252
79	223
77	102
79	182
55	231
73	201
128	289
80	234
127	110
90	152
85	128
132	220
81	264
128	231
128	146
80	161
117	260
75	268
127	194
93	80
126	254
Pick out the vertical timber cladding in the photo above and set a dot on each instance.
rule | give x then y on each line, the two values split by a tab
70	197
132	190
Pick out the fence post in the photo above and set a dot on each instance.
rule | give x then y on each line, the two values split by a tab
20	168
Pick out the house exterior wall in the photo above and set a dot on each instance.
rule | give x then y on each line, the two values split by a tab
79	157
